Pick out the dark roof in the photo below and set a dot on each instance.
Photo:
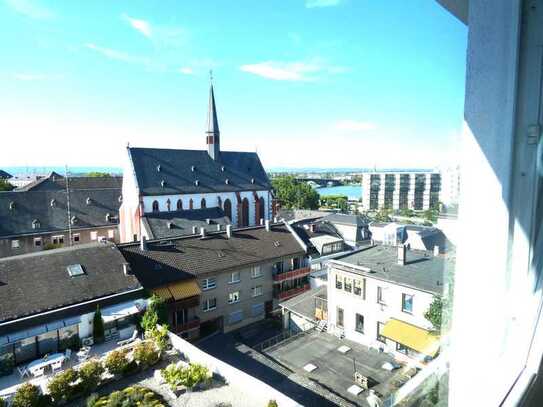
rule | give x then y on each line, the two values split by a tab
344	219
422	270
59	183
304	304
178	223
38	282
28	206
5	175
240	168
320	228
183	258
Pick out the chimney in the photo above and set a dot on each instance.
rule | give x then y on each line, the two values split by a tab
127	271
261	221
436	251
208	221
228	231
194	230
219	227
143	244
203	232
268	226
170	225
401	255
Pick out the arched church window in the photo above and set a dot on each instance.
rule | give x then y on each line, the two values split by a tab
203	203
191	204
179	204
155	206
244	213
168	204
228	209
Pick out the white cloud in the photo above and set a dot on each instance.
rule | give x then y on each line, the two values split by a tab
321	3
291	71
139	25
30	9
355	126
113	54
186	70
29	77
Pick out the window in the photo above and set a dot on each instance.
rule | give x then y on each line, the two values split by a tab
407	303
339	317
380	337
209	304
155	206
179	204
191	204
348	284
257	309
235	277
401	348
75	270
278	267
227	207
94	235
256	272
76	237
357	289
58	239
111	233
209	283
233	297
381	295
203	203
257	291
235	317
359	323
37	241
15	244
339	282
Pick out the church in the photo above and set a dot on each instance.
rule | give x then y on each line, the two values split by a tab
169	192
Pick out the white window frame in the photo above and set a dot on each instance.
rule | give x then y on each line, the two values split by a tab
234	297
209	283
78	237
15	244
256	271
57	238
111	233
232	279
94	235
257	291
38	240
207	307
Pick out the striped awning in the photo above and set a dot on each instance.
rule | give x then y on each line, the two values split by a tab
178	291
412	336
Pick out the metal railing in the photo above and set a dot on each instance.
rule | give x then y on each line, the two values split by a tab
286	335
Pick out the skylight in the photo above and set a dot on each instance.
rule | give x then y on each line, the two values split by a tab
75	270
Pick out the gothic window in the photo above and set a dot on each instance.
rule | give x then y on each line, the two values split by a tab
155	206
203	203
179	204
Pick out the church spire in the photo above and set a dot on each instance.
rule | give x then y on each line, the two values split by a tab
212	133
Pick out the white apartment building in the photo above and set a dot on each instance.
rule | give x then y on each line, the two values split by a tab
450	185
400	190
378	296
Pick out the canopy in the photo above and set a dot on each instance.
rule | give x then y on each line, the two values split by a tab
412	336
178	291
121	310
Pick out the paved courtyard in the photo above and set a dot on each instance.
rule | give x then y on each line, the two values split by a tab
335	370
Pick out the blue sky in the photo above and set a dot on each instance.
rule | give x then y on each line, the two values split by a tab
319	83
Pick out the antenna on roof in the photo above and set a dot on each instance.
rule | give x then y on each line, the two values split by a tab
68	204
211	76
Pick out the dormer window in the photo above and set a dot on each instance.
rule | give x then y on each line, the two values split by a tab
155	206
252	180
35	224
193	168
108	217
162	183
196	182
53	203
120	199
89	201
170	225
11	205
73	220
222	168
158	168
168	204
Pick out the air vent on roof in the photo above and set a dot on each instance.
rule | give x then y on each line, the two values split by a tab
222	168
35	224
220	254
11	205
196	182
89	201
75	270
108	217
277	243
193	168
208	221
120	198
162	183
227	181
73	220
170	225
53	203
252	180
158	167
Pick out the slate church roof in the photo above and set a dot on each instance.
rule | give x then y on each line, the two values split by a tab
171	172
4	175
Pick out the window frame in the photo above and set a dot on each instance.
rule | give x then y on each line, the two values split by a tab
404	296
379	336
255	291
255	268
232	297
381	298
232	281
207	301
356	326
340	311
205	283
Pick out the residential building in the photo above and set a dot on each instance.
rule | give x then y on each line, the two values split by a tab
170	182
415	237
221	280
378	296
450	186
400	190
304	311
353	228
22	180
43	214
49	299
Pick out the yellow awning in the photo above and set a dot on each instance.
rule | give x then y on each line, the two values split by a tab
413	337
178	291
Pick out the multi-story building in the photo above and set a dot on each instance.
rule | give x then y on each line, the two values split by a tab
168	182
400	190
378	296
450	188
43	214
221	280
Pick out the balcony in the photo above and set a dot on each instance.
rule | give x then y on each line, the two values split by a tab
292	292
192	324
287	275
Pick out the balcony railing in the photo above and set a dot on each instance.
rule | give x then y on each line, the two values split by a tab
286	275
194	323
292	292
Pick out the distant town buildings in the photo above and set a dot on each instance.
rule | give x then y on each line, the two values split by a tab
450	185
169	185
400	190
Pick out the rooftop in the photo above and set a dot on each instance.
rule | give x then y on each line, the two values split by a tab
33	283
57	182
422	271
304	304
351	220
5	175
167	261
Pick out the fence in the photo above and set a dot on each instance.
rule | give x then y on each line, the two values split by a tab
289	334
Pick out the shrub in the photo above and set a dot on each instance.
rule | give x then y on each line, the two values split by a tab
91	376
197	374
117	362
173	375
27	395
7	363
159	335
273	403
115	399
189	376
146	354
130	396
92	400
61	386
2	402
98	326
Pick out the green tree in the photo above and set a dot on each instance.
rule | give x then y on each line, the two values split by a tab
430	215
5	186
98	326
156	313
295	194
27	395
98	174
383	215
407	213
434	313
335	201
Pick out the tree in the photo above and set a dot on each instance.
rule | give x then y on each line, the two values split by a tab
156	313
383	215
97	174
28	395
434	313
98	326
430	215
5	186
295	194
407	213
335	201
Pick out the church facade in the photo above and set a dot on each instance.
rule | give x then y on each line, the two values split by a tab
166	192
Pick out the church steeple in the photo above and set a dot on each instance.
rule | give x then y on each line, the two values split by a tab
212	133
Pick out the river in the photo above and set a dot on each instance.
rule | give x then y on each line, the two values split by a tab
353	192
